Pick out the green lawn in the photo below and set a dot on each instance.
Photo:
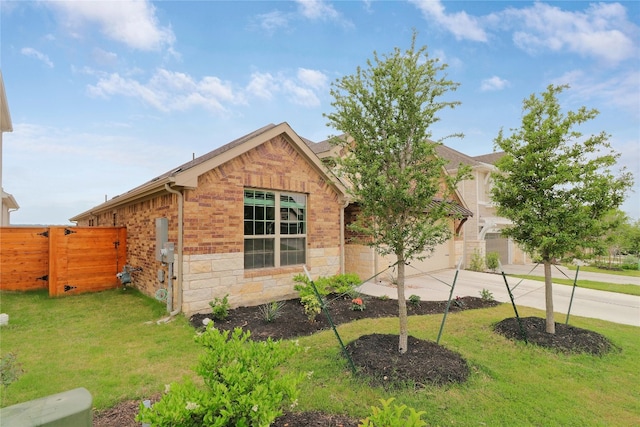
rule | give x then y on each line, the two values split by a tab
589	284
104	343
628	273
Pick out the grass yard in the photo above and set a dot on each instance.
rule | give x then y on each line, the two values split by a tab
98	341
102	342
588	284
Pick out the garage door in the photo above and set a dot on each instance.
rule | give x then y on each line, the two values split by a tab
499	244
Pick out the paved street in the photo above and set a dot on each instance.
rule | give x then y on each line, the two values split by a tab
614	307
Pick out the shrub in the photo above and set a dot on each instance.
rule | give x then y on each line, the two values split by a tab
243	385
486	295
493	261
10	369
395	416
271	311
630	262
477	263
220	308
414	300
339	284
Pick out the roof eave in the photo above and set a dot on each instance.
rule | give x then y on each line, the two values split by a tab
145	190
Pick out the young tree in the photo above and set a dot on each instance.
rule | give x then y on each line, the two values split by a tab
386	111
554	185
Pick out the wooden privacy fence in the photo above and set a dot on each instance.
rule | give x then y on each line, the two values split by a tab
65	260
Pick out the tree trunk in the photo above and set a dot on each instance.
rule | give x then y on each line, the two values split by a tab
402	308
548	295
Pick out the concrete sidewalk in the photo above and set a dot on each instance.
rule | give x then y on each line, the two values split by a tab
610	306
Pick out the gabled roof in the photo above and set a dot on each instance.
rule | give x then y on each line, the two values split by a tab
5	117
186	175
454	158
490	158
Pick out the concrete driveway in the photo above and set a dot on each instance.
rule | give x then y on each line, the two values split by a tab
614	307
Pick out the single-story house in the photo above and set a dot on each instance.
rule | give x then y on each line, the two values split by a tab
244	219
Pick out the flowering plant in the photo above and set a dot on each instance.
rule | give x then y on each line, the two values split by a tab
357	304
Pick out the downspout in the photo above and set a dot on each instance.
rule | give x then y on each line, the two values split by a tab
178	254
342	237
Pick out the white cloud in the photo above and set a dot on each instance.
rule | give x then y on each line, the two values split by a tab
321	10
315	79
493	83
460	24
272	21
300	90
620	90
300	95
602	30
262	85
32	53
131	22
103	58
170	91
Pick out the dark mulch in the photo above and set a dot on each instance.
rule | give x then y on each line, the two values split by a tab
567	339
294	323
376	355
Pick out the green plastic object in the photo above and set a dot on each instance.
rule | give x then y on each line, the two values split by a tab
67	409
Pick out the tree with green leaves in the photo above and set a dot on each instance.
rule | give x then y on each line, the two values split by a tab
395	177
554	185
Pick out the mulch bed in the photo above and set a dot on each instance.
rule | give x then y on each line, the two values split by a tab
567	339
375	355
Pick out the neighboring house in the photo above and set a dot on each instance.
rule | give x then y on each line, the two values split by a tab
9	204
482	231
366	262
244	220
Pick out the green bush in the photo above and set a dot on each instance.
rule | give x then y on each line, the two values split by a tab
493	261
220	308
477	263
339	284
271	311
395	416
10	369
486	295
414	300
630	262
243	384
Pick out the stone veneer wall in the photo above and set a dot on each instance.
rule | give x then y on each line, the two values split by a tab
216	275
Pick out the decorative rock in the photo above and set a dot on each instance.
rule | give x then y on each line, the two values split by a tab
206	321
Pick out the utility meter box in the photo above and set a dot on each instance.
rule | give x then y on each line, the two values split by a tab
168	252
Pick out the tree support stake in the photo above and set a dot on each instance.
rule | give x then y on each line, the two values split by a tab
333	326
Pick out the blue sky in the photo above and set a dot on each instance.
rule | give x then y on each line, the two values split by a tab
105	95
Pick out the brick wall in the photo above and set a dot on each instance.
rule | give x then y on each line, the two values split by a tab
213	263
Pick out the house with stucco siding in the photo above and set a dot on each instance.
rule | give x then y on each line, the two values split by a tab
483	229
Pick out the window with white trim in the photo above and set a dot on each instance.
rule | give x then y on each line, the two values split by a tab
275	227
